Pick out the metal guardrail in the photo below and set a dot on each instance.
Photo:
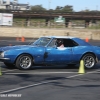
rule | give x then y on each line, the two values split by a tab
56	12
39	24
52	14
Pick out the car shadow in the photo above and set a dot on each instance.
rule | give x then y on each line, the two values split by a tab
97	66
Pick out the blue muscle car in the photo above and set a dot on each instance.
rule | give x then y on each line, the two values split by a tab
47	50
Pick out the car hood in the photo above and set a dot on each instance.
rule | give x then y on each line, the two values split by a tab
15	47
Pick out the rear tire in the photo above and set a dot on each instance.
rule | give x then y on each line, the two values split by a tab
89	61
24	62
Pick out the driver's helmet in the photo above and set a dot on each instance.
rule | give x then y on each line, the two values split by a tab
59	42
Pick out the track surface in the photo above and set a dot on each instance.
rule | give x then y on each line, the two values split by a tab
48	82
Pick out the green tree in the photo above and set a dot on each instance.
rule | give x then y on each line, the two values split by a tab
38	8
66	8
58	8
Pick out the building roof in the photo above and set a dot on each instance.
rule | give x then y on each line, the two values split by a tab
16	4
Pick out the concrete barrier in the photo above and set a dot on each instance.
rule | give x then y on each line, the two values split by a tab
35	33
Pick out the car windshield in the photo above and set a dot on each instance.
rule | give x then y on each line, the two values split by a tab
43	41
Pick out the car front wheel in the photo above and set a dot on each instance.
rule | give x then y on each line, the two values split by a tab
24	62
89	60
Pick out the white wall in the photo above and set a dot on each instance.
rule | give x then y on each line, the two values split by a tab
2	7
1	2
8	2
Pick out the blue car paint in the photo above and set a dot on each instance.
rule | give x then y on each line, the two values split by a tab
56	55
68	55
97	51
36	52
79	51
81	42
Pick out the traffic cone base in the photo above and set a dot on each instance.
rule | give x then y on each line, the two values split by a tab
81	67
0	71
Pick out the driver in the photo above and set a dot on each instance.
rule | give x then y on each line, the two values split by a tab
60	43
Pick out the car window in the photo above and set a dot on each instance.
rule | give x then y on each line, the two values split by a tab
42	41
52	43
66	43
69	43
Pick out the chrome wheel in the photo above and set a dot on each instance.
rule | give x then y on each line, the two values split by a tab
89	61
24	62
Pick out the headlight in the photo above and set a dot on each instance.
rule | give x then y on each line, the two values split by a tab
2	54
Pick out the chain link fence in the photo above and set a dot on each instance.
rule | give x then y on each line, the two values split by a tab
39	24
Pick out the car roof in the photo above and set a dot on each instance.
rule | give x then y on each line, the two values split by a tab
77	40
64	37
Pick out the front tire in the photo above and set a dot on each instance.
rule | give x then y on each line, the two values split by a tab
24	62
89	61
9	65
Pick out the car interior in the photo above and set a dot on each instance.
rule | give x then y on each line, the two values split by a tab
66	43
69	43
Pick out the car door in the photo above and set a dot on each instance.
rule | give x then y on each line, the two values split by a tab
57	55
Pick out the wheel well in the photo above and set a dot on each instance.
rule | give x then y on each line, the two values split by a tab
23	54
90	53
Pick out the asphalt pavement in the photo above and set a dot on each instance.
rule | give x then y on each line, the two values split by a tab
48	82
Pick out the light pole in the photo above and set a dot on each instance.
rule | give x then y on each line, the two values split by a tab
97	14
49	5
96	7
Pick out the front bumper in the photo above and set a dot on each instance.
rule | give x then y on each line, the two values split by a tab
4	59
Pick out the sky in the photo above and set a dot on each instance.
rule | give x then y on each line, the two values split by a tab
78	5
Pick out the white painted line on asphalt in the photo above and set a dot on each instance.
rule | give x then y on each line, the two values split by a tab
42	73
44	82
9	70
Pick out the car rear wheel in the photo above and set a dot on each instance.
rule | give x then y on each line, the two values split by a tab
24	62
89	60
9	65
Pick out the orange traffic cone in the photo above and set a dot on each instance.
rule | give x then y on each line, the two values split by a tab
23	39
87	40
10	44
17	39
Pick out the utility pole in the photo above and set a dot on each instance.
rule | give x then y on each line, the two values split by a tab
49	5
96	7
